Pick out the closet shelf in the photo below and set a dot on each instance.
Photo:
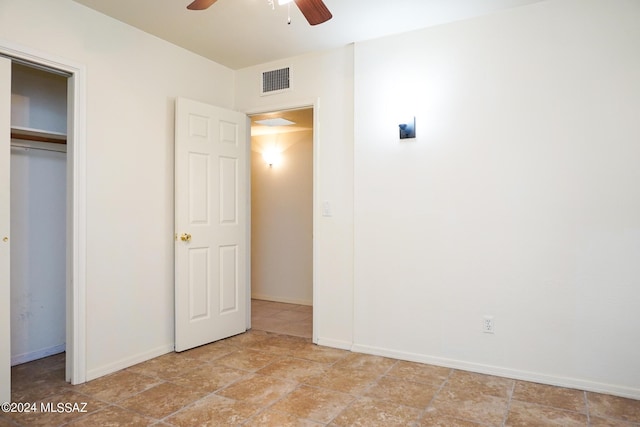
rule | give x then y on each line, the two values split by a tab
39	135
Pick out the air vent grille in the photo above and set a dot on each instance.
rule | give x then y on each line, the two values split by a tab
275	81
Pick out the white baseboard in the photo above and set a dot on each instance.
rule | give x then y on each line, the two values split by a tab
574	383
342	345
281	299
92	374
38	354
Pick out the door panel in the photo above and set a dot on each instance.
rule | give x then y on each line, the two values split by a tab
228	278
228	190
211	196
198	191
5	156
199	279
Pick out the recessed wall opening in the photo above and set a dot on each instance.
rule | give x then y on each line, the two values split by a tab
38	208
42	261
282	221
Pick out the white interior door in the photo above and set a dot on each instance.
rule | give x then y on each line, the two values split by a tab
211	198
5	156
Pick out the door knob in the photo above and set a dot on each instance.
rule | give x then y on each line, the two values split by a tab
185	237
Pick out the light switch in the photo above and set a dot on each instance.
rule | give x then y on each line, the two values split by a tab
326	208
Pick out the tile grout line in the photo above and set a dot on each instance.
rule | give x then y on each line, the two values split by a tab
362	394
586	406
508	409
542	405
189	405
442	385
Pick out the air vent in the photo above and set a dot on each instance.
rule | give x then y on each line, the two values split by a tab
275	81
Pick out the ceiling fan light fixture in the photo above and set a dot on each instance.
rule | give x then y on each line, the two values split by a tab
200	4
315	11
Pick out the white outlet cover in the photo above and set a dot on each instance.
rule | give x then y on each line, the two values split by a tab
488	325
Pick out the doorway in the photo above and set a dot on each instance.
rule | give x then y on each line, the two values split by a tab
282	165
75	283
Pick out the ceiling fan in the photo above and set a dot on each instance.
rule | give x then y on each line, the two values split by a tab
315	11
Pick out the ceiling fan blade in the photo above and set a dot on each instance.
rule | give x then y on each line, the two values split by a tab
314	10
200	4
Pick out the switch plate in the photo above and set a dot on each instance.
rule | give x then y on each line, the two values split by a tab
326	208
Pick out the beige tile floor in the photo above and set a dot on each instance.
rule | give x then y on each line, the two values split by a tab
265	378
286	319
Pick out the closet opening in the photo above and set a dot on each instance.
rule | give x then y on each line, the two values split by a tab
42	138
38	212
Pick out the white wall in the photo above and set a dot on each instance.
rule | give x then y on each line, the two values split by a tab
132	81
325	78
519	198
38	253
281	220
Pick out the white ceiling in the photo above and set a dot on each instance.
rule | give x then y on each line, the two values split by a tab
241	33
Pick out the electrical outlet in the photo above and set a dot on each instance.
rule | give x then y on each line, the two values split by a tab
488	326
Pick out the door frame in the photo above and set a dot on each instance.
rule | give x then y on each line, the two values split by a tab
76	201
315	104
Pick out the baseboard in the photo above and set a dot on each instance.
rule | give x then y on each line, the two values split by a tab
342	345
574	383
92	374
38	354
281	299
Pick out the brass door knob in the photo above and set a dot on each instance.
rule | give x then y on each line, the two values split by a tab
185	237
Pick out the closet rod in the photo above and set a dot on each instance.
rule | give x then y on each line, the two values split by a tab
15	134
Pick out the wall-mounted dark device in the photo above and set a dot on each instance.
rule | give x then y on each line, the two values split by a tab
408	130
